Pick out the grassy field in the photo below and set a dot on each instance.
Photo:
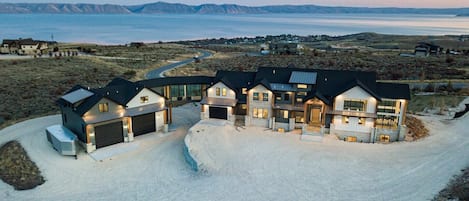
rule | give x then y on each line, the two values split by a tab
419	103
29	87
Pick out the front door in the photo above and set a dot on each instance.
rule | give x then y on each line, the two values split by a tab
315	116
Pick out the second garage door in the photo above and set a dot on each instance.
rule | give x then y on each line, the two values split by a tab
108	134
143	124
218	112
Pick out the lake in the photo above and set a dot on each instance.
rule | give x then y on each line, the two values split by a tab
120	29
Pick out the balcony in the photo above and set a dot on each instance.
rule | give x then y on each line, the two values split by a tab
289	107
353	113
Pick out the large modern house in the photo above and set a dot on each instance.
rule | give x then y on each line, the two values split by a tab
349	104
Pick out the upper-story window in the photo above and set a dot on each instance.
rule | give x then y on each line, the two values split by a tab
387	106
265	96
255	96
103	107
302	86
223	91
144	99
354	105
217	92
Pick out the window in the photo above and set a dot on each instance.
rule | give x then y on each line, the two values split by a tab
278	96
245	91
244	106
301	93
286	97
103	107
302	86
351	139
354	105
384	138
285	114
144	99
177	90
260	113
194	90
255	96
299	117
223	92
299	100
387	106
265	96
217	92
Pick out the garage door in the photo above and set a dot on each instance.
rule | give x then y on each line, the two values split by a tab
143	124
218	112
108	134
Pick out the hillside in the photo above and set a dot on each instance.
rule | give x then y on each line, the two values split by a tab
177	8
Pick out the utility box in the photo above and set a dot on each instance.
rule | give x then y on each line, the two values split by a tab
63	140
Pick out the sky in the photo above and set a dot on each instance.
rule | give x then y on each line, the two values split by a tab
366	3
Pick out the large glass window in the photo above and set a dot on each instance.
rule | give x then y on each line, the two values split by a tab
217	92
354	105
387	106
194	90
260	113
177	91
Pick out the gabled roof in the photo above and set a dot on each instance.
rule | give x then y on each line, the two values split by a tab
358	83
118	90
317	94
262	82
393	90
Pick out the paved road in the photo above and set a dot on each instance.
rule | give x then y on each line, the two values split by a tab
157	73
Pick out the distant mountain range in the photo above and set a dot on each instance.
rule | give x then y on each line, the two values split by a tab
176	8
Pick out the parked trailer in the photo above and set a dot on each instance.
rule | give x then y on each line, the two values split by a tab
63	140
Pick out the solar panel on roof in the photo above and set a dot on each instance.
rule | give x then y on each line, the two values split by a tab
77	95
298	77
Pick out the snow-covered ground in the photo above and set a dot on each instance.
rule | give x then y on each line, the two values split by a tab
246	164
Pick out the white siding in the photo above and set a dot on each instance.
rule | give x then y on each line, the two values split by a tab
356	93
259	104
153	98
211	92
353	128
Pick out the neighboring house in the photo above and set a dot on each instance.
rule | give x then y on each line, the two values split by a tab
113	114
26	46
284	47
425	49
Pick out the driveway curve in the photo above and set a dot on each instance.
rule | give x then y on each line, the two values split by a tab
158	73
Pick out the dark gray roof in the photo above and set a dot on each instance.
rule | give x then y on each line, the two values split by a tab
301	77
393	90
